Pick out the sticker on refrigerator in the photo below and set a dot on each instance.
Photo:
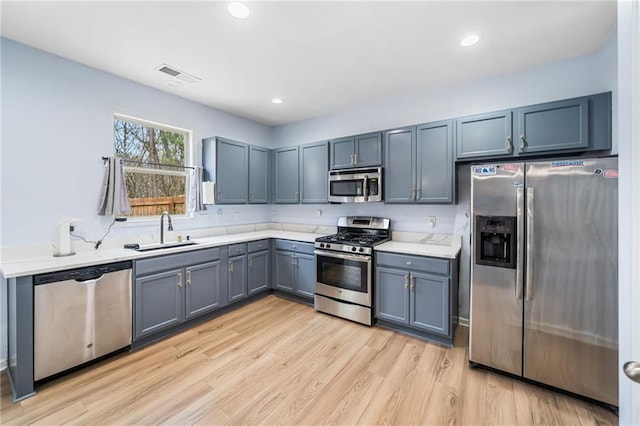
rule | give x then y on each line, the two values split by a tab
486	170
611	174
511	167
568	163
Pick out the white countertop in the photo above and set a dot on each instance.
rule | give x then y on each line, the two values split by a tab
23	261
435	245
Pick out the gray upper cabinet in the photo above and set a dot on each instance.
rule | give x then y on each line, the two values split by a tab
286	175
553	126
485	135
258	175
434	163
232	170
314	166
399	172
570	125
419	164
356	151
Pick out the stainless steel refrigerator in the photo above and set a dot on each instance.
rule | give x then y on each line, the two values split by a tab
544	273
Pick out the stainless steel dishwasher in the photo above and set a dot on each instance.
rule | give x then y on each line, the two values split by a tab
80	315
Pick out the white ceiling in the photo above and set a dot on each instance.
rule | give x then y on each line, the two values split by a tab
319	57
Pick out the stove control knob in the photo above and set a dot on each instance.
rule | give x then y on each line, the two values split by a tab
353	249
327	245
321	245
361	250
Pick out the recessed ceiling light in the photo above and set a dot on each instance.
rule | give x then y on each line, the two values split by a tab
469	40
238	10
276	100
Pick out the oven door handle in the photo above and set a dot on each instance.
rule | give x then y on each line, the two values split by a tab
356	257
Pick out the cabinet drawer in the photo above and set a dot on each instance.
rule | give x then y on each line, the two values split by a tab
418	263
237	249
259	245
296	246
171	261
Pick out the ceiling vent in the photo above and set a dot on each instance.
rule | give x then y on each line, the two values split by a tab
174	72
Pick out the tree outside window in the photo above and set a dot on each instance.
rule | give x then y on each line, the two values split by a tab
154	165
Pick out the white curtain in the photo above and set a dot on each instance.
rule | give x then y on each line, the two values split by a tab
195	190
114	200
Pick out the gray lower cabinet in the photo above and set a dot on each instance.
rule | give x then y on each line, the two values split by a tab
419	164
570	125
259	266
294	268
174	288
237	272
417	292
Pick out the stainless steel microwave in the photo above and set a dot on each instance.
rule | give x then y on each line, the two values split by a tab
360	185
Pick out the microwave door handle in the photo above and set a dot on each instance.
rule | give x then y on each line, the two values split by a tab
365	190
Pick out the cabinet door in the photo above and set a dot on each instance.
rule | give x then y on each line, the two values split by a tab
232	170
484	135
429	304
258	175
237	278
258	272
434	163
305	275
392	295
202	286
286	176
314	166
553	126
159	303
368	150
399	171
285	271
342	153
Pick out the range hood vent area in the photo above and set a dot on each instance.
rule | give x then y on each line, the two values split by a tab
174	72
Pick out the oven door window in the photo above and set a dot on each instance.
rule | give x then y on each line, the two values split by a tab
346	188
343	273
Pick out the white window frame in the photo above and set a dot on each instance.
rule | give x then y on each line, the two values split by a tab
188	156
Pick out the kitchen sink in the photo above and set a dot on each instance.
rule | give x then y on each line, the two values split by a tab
158	246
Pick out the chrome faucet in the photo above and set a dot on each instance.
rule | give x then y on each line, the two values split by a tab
169	228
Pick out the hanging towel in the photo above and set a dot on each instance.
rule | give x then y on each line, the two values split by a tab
114	200
195	190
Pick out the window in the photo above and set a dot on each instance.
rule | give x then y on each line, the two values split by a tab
155	172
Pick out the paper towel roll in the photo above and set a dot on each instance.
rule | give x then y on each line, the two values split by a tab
208	193
64	236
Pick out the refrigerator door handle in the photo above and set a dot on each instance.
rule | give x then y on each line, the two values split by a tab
530	257
519	241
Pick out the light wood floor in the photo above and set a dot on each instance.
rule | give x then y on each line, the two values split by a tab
277	361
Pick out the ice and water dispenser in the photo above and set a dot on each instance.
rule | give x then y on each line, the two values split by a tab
496	241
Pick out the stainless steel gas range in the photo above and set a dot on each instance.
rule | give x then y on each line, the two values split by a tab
344	267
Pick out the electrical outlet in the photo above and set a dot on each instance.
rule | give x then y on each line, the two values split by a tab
431	221
274	213
71	228
319	214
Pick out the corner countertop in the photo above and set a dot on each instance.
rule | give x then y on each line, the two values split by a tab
31	260
435	245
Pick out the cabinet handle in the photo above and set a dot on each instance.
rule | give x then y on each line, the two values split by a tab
179	279
413	283
418	194
509	144
231	267
409	263
237	250
406	281
297	193
251	262
523	142
189	277
251	196
355	159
